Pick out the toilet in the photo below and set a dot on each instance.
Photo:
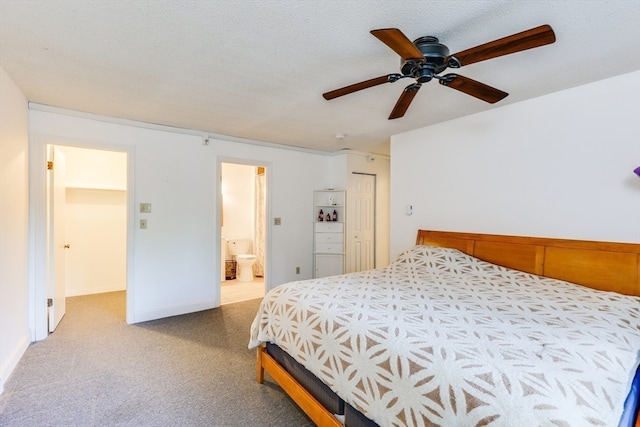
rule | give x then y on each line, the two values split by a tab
239	249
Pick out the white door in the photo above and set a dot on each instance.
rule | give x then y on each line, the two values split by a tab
361	222
56	201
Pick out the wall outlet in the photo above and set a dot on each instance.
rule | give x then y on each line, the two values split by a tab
143	224
277	221
297	270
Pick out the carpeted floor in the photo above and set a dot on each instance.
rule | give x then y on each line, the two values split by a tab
191	370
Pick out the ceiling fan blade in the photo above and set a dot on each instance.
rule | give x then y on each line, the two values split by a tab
473	88
359	86
398	42
404	101
528	39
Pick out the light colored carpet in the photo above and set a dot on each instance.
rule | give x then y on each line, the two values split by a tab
191	370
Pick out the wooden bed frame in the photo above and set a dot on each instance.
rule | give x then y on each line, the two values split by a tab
606	266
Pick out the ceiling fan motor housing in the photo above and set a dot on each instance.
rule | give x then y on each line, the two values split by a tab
434	54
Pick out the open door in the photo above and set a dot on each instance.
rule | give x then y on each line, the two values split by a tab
57	246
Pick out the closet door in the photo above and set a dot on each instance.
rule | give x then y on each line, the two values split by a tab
361	228
56	298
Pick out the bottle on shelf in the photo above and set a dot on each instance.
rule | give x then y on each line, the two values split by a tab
321	216
334	217
328	216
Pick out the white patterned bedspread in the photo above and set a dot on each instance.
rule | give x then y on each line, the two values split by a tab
442	338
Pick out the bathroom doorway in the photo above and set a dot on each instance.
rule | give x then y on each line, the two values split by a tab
243	205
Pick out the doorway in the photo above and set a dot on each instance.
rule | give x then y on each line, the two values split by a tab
243	213
87	205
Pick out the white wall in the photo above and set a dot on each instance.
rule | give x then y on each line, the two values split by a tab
14	231
555	166
96	234
96	169
176	259
238	189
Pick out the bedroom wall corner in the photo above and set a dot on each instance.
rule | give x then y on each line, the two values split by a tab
14	227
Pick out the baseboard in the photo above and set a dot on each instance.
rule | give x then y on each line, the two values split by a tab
145	316
8	365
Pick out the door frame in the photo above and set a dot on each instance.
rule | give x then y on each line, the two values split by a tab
218	208
38	259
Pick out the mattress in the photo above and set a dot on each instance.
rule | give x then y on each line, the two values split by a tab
442	338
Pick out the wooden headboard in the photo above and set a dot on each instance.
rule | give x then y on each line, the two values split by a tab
600	265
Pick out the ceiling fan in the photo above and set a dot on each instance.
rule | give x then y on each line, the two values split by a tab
426	58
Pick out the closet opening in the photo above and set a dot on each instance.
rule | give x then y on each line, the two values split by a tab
86	232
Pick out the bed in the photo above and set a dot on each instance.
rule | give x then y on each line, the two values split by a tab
462	329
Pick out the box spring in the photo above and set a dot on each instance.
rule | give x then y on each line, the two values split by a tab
323	394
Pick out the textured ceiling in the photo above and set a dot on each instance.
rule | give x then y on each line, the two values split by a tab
257	69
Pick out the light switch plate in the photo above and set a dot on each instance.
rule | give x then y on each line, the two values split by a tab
143	224
145	207
277	221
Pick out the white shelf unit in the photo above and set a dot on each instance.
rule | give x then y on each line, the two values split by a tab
328	234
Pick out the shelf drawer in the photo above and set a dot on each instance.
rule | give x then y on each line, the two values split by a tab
329	248
329	237
329	227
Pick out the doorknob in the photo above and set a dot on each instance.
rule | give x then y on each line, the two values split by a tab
67	246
